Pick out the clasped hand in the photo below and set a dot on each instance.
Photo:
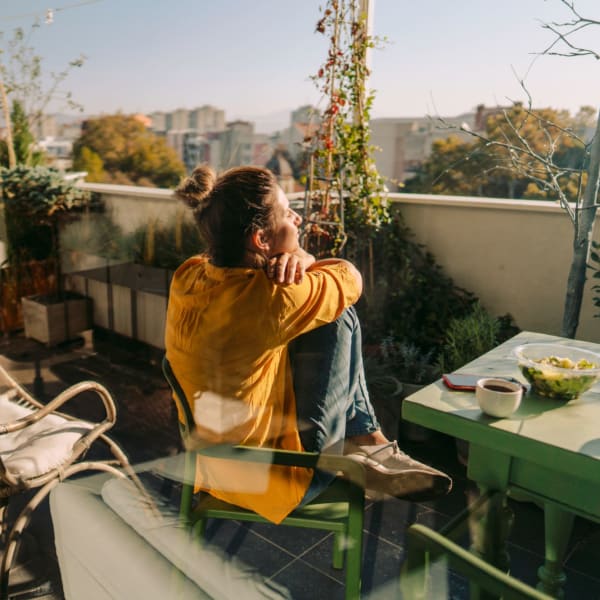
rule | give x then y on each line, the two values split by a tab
286	268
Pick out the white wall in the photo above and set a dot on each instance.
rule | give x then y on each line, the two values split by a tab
513	254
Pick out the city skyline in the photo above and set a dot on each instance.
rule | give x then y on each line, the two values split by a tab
253	59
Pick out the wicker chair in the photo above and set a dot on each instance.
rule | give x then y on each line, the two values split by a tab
339	509
39	447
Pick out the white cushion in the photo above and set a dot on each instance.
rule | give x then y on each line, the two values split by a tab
222	577
40	447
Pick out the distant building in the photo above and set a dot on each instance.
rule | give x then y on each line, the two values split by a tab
235	146
203	149
203	119
58	152
262	149
237	142
46	127
158	122
403	144
304	122
191	133
179	140
70	130
207	119
179	119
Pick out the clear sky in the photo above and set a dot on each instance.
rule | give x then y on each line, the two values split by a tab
253	58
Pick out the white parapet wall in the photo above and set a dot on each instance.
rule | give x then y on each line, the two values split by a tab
514	255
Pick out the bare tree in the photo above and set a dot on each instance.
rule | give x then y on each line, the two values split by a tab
21	79
549	174
565	43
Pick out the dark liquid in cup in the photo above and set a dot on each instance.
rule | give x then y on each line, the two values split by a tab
497	388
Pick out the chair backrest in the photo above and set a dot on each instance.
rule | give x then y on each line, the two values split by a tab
426	546
185	411
263	455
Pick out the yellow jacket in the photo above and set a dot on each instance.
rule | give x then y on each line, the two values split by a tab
226	338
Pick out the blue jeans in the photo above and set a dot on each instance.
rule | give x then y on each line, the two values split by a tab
332	401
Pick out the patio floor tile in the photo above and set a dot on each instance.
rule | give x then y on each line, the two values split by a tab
299	559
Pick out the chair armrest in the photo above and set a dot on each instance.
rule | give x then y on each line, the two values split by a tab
333	463
58	401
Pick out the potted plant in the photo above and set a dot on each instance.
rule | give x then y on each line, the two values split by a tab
36	200
398	369
467	338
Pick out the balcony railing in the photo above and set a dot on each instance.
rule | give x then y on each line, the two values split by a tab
513	255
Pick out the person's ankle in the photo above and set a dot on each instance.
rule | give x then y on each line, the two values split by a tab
367	439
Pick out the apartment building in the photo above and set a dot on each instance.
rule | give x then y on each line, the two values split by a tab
207	119
403	144
159	122
237	140
304	122
202	119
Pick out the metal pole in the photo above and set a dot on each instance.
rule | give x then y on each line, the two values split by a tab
367	7
12	160
366	10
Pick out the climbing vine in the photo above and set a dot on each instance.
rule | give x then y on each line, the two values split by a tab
341	161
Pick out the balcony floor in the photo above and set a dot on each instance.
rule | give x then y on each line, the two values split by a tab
298	559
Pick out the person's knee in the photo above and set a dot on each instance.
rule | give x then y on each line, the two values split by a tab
349	320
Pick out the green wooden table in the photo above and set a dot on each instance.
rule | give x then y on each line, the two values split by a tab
548	452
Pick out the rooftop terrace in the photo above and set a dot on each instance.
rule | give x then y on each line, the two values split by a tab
513	255
296	559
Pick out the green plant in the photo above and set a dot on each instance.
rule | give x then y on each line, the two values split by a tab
415	299
22	80
408	362
165	245
345	193
120	149
406	291
95	234
468	337
35	200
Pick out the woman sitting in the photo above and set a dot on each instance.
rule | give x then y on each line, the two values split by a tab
266	345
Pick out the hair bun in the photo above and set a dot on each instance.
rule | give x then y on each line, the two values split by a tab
195	189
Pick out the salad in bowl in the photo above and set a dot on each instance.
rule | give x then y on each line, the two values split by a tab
558	371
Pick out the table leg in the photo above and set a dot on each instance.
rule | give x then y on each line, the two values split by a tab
558	525
490	527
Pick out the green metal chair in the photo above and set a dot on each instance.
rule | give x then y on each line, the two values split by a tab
427	548
339	509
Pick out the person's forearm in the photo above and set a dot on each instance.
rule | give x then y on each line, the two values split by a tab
336	261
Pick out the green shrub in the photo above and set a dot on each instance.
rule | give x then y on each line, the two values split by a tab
407	362
35	199
414	299
166	245
469	337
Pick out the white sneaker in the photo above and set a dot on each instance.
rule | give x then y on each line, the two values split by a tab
391	471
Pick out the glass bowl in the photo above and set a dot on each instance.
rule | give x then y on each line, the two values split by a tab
557	371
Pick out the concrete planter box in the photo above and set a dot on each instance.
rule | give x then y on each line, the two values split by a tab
52	322
129	299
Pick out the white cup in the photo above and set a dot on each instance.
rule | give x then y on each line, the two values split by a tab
498	397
